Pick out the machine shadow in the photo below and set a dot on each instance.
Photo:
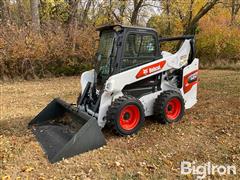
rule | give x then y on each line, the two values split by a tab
19	127
109	133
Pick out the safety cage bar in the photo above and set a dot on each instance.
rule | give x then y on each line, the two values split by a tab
176	38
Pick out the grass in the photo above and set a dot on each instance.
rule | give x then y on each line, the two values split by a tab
208	132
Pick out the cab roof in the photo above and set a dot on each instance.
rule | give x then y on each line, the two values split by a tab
110	27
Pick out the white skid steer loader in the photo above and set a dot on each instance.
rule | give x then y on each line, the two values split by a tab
133	79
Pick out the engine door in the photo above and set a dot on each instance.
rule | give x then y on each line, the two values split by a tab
190	83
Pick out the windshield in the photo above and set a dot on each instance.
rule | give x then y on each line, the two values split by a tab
104	52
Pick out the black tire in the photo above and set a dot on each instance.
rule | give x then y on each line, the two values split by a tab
169	107
126	115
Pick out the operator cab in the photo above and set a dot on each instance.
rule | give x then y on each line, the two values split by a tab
124	47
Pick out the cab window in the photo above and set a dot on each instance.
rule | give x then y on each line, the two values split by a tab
139	49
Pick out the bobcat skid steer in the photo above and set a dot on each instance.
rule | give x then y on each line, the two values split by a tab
132	79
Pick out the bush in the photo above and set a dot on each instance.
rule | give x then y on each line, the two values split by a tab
55	51
218	43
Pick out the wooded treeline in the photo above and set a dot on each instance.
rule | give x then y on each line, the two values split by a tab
40	38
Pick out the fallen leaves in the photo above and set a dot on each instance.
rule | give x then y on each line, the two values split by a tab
154	153
27	169
117	163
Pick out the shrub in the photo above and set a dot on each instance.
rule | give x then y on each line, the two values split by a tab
26	54
218	43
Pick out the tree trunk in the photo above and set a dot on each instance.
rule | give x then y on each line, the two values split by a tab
136	9
168	17
35	15
109	11
122	9
235	7
21	12
190	27
1	10
232	12
5	12
73	21
74	12
85	12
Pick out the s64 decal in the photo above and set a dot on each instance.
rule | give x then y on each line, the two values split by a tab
190	80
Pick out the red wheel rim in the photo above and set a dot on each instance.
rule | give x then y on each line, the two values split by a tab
173	109
129	117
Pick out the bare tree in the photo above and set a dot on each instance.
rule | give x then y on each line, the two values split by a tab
168	4
35	15
21	11
73	10
73	22
1	10
190	21
122	9
166	8
235	7
85	12
137	4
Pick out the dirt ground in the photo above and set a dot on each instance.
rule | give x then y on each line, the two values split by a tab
209	132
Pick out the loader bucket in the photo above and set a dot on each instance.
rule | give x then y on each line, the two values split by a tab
63	131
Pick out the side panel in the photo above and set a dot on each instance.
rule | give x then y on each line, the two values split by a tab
190	83
86	77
